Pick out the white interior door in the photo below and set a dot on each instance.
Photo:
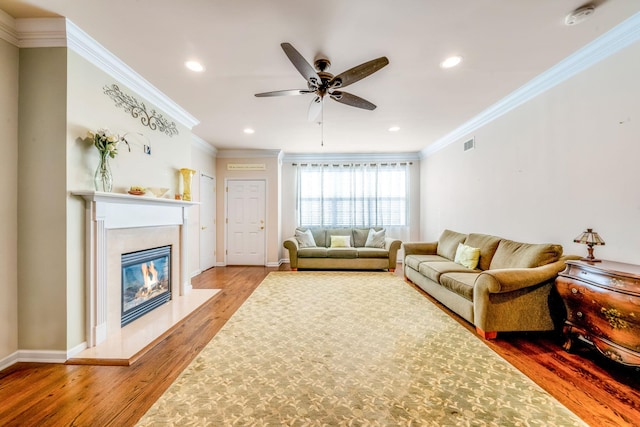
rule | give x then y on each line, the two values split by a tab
246	222
207	222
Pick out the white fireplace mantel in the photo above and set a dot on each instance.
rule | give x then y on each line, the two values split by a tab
108	211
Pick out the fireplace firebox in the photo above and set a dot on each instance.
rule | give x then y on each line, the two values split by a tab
146	282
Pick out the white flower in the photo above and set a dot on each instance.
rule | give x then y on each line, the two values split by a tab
105	141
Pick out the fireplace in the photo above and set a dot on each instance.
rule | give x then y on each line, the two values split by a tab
146	282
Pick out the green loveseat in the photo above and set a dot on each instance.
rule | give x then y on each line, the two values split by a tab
357	256
510	289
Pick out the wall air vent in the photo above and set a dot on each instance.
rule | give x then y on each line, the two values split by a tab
468	145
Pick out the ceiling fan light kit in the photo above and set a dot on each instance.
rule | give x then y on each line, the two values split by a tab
322	83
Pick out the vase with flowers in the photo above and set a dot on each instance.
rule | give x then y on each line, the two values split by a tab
107	145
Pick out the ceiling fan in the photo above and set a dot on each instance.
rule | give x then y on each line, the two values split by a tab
321	83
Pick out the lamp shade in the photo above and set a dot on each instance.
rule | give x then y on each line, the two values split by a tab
589	237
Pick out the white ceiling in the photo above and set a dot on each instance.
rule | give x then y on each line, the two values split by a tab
504	43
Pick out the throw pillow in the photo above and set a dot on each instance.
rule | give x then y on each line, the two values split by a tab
340	241
375	239
305	239
467	256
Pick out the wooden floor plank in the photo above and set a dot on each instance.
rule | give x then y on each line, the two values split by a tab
599	391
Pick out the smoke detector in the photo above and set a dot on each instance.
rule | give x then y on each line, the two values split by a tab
579	15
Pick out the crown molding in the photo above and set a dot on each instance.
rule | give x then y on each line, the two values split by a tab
8	31
61	32
231	154
614	40
203	145
81	43
351	157
41	32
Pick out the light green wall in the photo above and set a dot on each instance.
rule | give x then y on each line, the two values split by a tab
61	98
42	190
89	108
9	60
562	162
273	209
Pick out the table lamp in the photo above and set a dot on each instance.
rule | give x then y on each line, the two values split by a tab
591	239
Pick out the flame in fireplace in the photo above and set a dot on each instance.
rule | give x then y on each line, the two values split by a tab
150	276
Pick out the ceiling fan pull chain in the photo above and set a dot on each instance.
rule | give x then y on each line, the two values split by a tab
322	126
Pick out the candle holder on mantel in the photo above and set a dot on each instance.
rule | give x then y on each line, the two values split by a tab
186	183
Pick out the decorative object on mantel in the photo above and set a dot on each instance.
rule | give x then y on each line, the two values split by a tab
591	239
131	105
137	190
186	181
107	145
158	191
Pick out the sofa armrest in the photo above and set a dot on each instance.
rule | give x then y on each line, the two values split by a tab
420	248
512	279
392	245
292	245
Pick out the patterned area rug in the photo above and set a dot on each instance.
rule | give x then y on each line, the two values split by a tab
343	349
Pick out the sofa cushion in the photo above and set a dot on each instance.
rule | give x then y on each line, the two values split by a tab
467	256
433	270
460	283
305	239
342	253
317	252
448	243
375	239
414	261
340	242
372	253
360	237
512	254
335	232
487	245
318	234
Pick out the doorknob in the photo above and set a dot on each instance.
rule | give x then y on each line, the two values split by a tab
203	227
262	228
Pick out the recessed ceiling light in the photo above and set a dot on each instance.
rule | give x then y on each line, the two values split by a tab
394	128
194	66
248	131
451	61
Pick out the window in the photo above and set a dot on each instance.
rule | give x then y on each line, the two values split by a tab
353	195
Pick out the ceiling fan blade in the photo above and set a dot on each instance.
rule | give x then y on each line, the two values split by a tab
359	72
352	100
285	92
301	65
315	108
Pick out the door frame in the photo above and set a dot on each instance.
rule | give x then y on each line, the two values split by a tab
226	215
215	220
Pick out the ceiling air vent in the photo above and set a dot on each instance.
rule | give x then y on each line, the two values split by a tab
468	145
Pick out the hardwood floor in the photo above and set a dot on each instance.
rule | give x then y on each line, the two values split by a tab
600	392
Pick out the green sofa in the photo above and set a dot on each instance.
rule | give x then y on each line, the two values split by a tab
357	256
510	289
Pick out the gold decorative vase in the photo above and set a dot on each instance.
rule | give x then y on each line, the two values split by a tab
186	183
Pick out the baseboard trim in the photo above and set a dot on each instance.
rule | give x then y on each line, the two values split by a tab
77	349
41	356
8	361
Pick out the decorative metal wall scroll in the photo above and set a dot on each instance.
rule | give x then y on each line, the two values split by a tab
150	118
